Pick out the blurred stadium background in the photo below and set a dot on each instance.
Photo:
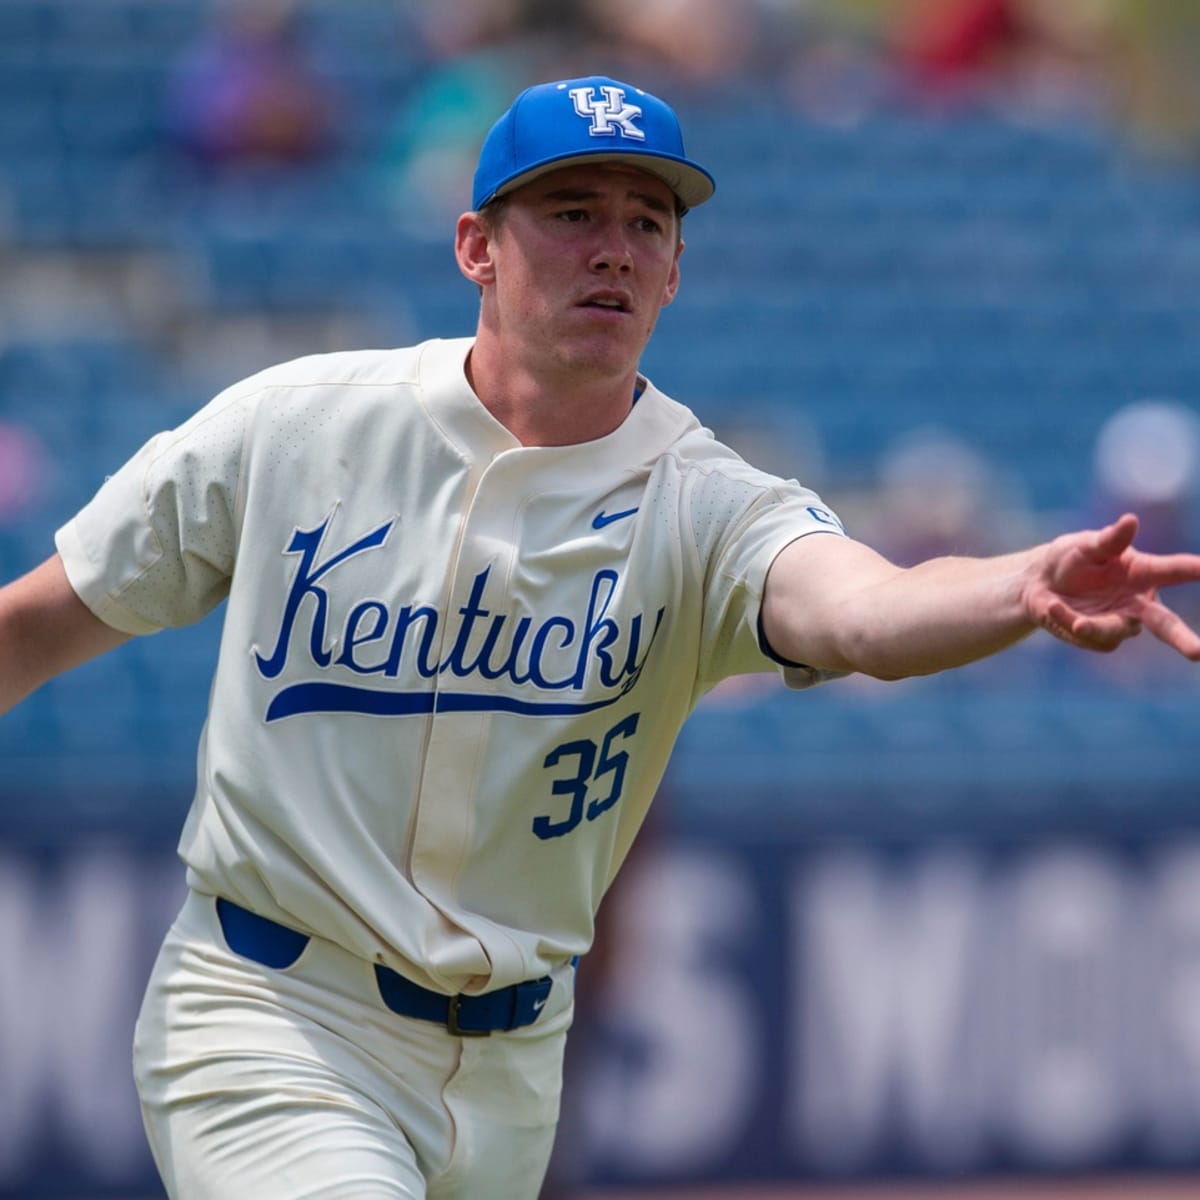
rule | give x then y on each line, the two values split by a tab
903	940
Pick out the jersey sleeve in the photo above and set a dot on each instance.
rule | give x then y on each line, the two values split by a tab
742	519
155	546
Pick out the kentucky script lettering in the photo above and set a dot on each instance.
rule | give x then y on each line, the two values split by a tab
557	652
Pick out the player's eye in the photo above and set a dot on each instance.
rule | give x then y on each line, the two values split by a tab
648	225
573	215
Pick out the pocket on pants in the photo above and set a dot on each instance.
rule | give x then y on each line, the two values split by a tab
260	940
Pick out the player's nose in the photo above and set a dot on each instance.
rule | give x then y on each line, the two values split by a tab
613	256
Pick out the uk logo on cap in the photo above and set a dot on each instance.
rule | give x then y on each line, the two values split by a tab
610	113
594	119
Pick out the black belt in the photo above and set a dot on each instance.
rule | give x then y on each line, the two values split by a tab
273	945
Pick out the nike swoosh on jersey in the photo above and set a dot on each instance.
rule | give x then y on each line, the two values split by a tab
602	518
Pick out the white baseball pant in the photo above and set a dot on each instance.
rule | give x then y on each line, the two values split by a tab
299	1084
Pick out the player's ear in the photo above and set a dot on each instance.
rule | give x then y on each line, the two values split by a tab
672	288
473	248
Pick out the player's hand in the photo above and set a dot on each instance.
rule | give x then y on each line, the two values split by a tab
1094	590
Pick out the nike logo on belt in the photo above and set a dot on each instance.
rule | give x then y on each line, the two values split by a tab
602	518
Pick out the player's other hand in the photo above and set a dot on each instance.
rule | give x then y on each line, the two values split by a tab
1094	590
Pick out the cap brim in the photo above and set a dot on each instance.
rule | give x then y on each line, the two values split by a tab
691	183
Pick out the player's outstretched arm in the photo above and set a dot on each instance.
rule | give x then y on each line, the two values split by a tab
835	604
45	629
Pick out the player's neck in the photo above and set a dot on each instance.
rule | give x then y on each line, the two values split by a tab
547	407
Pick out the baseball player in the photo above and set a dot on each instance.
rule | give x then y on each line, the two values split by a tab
472	590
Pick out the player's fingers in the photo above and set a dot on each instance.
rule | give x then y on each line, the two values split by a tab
1059	619
1106	632
1113	540
1171	628
1165	570
1102	632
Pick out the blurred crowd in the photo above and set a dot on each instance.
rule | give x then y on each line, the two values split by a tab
256	89
1126	60
252	87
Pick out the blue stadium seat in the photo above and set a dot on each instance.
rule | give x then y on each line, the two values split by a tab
1014	284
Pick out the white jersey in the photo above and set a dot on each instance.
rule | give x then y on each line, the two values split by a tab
452	667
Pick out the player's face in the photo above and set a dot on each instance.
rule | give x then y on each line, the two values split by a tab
583	260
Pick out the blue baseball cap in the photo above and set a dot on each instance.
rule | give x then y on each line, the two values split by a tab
595	119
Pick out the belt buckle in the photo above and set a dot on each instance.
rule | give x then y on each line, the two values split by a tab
452	1021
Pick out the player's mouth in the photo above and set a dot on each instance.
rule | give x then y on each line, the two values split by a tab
607	301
